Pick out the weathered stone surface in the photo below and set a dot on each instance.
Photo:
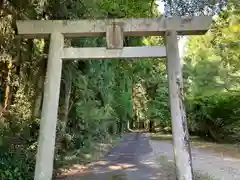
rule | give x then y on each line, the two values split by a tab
45	153
114	36
181	145
131	27
104	53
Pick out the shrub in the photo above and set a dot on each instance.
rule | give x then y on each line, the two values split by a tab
216	116
17	149
17	163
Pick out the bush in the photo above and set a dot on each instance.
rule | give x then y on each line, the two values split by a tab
216	116
16	164
17	149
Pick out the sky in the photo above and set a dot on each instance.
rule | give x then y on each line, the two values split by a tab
183	40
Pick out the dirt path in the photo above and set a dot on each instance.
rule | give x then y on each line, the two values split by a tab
122	163
139	158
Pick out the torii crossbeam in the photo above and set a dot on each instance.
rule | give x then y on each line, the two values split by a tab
114	30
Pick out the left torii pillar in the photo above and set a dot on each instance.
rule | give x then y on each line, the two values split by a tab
45	153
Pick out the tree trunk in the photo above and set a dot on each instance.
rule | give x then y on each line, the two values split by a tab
151	126
39	87
8	94
129	126
38	98
2	110
67	102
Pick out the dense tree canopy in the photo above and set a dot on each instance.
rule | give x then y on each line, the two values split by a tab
193	7
212	74
214	58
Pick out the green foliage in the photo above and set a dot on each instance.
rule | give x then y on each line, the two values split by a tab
157	88
212	61
211	73
16	163
193	7
216	116
17	149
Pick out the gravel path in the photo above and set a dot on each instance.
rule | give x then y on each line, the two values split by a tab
216	166
139	158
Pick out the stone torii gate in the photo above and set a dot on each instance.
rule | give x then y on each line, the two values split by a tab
114	30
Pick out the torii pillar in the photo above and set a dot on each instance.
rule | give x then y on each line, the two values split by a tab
114	30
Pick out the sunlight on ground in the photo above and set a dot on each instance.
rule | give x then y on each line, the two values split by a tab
115	167
75	169
81	162
100	163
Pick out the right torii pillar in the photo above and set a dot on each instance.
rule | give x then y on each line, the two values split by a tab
182	150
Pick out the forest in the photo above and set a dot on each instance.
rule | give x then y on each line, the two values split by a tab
100	99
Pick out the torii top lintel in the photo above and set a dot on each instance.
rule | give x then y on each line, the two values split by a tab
131	27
